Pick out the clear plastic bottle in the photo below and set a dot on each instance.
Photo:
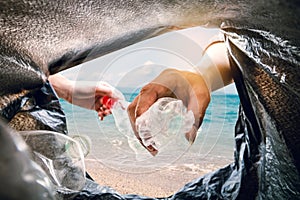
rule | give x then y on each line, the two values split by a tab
60	157
122	122
165	119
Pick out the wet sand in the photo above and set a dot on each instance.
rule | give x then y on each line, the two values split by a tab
160	183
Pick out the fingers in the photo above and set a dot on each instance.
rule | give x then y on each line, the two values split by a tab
103	106
148	96
103	112
186	86
199	98
140	104
191	135
105	97
132	117
101	115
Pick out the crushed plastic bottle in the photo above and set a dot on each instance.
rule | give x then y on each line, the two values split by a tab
165	119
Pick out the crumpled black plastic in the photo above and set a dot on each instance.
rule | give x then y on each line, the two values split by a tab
21	177
265	60
37	109
266	164
267	154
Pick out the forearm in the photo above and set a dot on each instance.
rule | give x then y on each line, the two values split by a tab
214	67
62	86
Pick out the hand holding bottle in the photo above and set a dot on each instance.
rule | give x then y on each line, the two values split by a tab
186	86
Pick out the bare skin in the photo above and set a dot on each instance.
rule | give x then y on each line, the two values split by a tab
193	88
83	94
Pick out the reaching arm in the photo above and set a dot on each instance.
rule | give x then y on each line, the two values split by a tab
214	67
193	88
82	94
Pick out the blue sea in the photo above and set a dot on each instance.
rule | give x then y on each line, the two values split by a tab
213	148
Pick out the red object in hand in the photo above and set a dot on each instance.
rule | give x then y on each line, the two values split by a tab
108	102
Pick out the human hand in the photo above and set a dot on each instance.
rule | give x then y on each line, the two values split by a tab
98	97
186	86
85	94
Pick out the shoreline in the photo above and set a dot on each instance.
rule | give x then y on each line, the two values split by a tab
160	183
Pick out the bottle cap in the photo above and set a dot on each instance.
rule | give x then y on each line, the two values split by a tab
108	102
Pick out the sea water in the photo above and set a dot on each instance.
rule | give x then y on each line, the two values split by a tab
214	145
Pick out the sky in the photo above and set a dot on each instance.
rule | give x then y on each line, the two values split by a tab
138	64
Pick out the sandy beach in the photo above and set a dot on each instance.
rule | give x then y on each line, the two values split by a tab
160	183
110	155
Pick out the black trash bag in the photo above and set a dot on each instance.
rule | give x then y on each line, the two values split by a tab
21	178
267	74
37	109
59	156
267	148
263	46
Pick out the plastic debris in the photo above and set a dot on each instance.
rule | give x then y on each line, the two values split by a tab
60	156
164	120
21	177
259	35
